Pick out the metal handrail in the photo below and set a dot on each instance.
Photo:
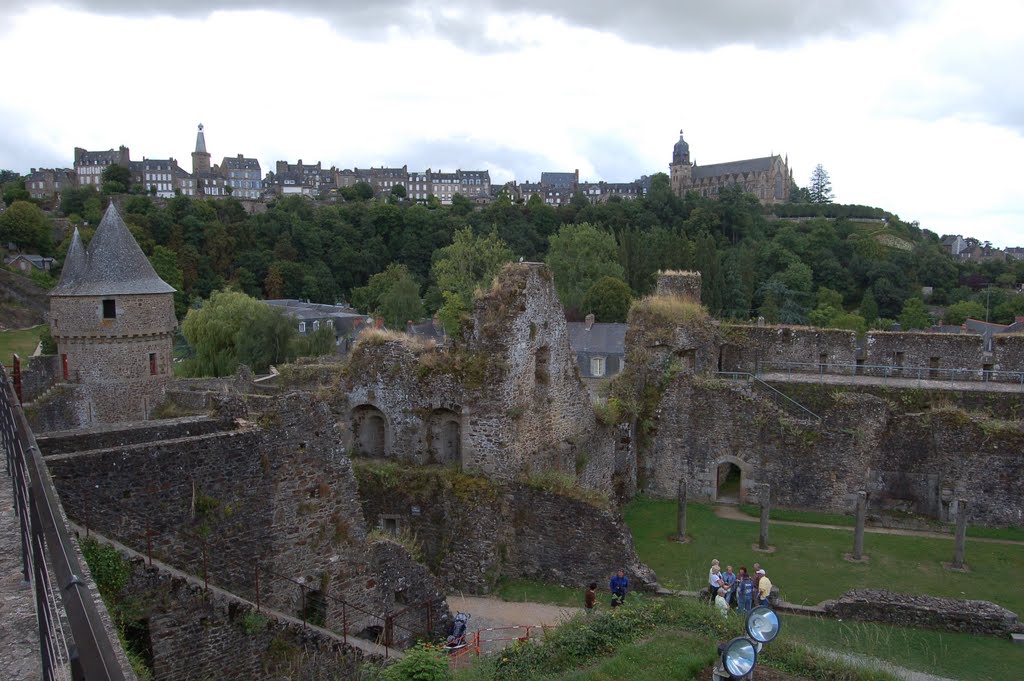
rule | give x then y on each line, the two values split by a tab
774	392
47	549
894	371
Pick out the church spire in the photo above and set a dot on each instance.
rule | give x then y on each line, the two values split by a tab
200	157
200	141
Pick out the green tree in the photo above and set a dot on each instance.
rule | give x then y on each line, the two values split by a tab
958	312
213	331
398	191
401	302
820	189
579	256
608	300
267	338
367	299
469	262
25	225
823	316
827	296
116	179
914	315
317	344
165	262
868	307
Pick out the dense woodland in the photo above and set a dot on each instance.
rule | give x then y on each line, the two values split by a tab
860	267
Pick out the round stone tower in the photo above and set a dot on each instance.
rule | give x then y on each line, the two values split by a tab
679	283
113	319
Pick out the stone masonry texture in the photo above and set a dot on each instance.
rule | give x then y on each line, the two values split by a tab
928	612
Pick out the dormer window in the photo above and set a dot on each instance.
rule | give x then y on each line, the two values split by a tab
109	309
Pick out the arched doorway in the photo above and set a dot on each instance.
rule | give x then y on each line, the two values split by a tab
729	483
445	437
371	431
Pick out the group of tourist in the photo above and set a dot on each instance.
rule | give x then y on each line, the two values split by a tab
740	589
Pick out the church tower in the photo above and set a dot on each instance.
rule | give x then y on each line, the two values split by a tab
200	157
681	169
113	320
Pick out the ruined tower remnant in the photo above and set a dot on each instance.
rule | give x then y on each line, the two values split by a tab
678	283
112	318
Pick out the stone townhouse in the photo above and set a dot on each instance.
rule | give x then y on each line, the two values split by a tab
46	183
89	165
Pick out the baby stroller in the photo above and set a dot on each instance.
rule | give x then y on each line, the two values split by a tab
457	634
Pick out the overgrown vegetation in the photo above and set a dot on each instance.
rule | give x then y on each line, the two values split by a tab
404	537
566	486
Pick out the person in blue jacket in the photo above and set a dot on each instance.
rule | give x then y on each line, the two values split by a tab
619	585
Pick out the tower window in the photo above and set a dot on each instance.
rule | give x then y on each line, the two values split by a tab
152	364
109	309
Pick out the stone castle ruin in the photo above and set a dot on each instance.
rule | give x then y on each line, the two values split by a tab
407	469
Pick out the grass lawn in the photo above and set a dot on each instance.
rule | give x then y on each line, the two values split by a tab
21	341
955	656
668	655
800	516
528	591
808	565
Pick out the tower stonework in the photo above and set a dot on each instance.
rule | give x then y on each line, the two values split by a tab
113	319
680	170
200	157
675	283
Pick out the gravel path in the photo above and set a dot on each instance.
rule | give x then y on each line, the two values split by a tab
491	613
733	513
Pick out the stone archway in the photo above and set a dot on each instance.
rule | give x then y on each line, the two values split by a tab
730	480
444	436
370	428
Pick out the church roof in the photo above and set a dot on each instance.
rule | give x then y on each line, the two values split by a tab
752	165
200	141
112	265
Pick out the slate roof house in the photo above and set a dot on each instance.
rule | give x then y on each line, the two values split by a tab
600	348
25	263
310	317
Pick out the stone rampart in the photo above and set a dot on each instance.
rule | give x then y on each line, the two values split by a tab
38	374
282	496
108	436
197	634
928	612
938	353
911	462
770	348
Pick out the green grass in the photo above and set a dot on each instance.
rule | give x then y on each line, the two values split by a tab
1011	533
21	341
788	515
808	566
525	590
956	656
668	655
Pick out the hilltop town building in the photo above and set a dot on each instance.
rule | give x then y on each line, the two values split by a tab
768	178
46	183
89	165
113	319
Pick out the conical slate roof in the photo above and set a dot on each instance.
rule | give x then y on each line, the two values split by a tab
74	266
113	264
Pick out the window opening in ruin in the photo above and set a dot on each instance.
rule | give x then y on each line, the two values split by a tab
152	364
109	309
687	359
370	430
137	638
933	367
823	362
389	524
541	361
860	367
730	478
986	370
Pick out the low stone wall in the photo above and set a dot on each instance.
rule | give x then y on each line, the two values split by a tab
104	437
197	634
929	612
63	408
38	374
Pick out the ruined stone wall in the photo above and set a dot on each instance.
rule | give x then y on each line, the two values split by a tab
505	400
1008	354
64	407
935	353
684	284
473	531
982	618
915	462
197	635
282	496
107	436
771	348
38	374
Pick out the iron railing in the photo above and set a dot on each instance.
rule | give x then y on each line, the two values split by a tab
782	399
886	372
73	642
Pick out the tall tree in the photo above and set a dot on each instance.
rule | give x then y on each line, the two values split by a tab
820	190
468	262
401	302
608	300
27	226
580	255
914	315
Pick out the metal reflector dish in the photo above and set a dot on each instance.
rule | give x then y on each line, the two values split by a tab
762	624
739	656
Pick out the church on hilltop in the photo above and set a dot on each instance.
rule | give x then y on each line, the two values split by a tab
768	178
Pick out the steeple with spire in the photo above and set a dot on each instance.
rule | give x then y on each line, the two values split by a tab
200	157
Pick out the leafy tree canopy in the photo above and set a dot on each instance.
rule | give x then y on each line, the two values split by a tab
28	227
608	300
580	255
471	261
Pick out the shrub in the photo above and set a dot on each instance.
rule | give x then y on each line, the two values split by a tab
422	663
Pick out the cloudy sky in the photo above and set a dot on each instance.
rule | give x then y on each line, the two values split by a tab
917	107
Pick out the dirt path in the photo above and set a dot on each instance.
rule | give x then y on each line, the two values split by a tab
733	513
490	614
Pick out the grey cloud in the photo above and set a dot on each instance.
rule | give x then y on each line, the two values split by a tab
678	24
469	154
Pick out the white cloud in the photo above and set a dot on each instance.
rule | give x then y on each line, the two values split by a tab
915	119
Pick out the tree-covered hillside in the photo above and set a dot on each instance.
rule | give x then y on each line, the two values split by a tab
754	261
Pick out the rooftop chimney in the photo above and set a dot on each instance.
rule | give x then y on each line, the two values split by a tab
589	321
